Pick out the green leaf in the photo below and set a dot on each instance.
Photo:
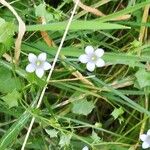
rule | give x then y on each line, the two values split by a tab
117	112
52	133
11	99
11	134
77	25
95	137
143	78
64	140
6	35
10	67
7	79
122	58
41	11
124	11
82	107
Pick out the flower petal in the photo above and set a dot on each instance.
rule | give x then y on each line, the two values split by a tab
32	58
90	66
148	132
83	58
99	52
89	50
143	137
145	145
85	148
39	72
100	63
46	66
30	68
42	57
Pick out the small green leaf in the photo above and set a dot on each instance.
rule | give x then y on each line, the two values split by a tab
52	133
7	79
6	35
143	78
11	99
121	119
64	140
41	11
82	107
95	137
117	112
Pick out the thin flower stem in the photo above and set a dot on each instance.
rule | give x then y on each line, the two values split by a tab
50	73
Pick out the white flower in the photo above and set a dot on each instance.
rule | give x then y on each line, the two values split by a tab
92	58
146	140
38	64
85	148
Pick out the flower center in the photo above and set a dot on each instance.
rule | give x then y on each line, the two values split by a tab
93	58
38	63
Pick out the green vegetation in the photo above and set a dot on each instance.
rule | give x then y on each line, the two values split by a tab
106	109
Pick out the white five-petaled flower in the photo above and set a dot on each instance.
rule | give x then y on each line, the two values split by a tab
92	58
38	64
85	148
146	140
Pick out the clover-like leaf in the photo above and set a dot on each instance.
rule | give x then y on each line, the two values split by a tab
11	99
143	78
41	11
82	107
64	140
117	112
95	137
6	35
52	133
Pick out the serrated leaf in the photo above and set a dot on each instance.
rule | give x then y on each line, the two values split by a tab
52	133
6	35
11	99
143	78
64	140
117	112
7	79
41	11
82	107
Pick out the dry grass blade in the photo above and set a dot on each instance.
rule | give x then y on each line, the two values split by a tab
21	30
124	17
99	13
143	28
83	79
7	57
90	9
144	20
45	35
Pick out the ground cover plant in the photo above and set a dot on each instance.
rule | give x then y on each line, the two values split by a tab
74	75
